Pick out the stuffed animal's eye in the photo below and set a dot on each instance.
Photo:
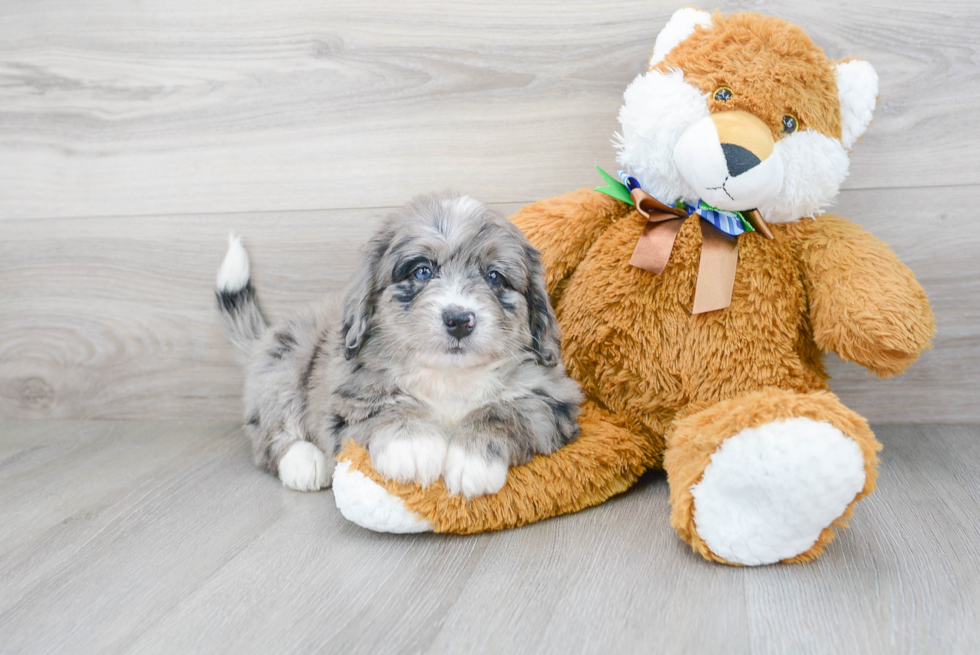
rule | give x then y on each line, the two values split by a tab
422	273
494	278
790	124
723	94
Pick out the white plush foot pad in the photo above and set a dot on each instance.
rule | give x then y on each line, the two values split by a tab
369	505
304	467
769	491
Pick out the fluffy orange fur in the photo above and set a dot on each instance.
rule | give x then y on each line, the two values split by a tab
665	387
771	66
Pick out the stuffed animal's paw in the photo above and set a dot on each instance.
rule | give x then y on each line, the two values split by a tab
770	491
369	505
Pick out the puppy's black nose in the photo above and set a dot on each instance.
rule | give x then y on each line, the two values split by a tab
459	324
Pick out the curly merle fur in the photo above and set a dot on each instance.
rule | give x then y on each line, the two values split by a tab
442	357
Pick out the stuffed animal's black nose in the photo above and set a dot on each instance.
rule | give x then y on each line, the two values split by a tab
738	159
459	324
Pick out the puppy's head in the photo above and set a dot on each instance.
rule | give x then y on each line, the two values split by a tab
447	282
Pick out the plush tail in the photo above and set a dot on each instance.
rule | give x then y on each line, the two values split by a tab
236	300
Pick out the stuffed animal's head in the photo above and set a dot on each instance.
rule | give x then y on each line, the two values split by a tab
744	112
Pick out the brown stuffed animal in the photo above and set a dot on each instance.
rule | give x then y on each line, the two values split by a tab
703	355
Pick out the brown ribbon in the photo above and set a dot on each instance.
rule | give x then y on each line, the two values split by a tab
719	251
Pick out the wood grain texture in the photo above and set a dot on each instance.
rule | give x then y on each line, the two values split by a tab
188	106
161	537
115	317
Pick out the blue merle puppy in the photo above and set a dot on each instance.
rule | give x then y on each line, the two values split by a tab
442	358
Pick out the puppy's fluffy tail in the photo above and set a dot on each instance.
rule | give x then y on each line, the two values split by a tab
236	300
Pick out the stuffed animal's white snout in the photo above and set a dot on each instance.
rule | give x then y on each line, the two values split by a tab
730	159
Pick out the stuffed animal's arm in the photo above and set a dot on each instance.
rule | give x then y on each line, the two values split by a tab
565	227
605	460
864	303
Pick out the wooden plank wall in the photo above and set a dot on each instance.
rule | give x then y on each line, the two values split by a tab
134	136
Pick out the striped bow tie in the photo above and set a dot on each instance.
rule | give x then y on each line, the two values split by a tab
731	223
728	222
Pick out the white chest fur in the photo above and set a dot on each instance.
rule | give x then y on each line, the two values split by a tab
451	393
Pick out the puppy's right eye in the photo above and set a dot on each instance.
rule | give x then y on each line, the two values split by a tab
422	273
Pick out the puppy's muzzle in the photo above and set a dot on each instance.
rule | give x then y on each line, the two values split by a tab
459	323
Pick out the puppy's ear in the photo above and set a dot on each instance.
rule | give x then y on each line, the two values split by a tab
545	333
358	305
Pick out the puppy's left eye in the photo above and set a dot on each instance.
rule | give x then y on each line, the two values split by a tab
422	273
494	278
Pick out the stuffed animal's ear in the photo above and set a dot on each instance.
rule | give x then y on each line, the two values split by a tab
680	26
857	90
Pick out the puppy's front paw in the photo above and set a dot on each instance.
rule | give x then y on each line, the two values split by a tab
470	473
412	454
304	467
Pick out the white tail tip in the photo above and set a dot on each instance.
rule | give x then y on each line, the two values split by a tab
234	272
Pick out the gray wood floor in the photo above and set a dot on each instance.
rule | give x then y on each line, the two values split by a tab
144	537
134	136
